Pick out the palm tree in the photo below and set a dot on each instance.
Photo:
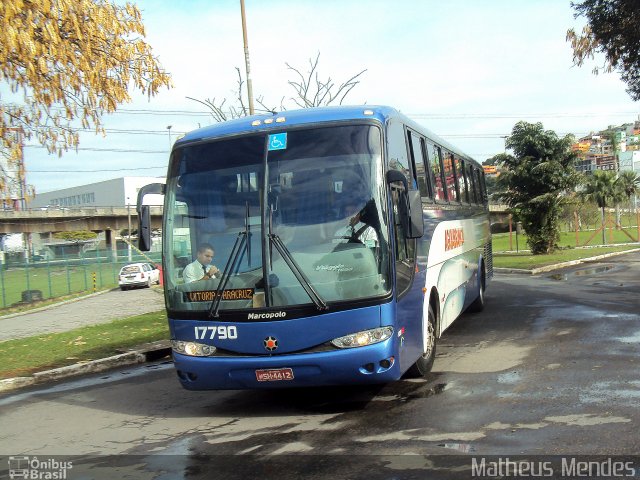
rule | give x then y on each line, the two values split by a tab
602	189
629	184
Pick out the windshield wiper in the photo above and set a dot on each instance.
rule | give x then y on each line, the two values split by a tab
299	274
243	240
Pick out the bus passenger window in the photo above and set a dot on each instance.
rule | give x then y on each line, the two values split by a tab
433	156
449	177
462	181
472	184
417	164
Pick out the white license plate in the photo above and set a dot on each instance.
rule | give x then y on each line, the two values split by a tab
274	375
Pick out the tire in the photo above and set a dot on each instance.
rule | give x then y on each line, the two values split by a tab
423	365
149	283
123	288
478	303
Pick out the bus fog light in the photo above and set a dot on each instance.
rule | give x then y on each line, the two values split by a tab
361	339
193	349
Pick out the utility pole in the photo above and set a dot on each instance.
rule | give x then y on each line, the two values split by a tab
246	57
169	130
129	256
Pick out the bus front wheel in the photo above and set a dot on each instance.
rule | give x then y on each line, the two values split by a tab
424	364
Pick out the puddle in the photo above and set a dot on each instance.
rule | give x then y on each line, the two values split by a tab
424	393
459	447
559	276
586	271
593	271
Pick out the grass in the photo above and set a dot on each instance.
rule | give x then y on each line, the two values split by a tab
24	356
527	261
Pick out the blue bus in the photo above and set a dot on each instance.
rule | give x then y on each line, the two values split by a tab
324	246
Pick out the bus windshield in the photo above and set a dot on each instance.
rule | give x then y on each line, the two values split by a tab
300	208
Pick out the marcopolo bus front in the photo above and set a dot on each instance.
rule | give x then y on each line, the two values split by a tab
350	346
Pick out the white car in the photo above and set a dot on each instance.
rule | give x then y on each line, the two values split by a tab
138	275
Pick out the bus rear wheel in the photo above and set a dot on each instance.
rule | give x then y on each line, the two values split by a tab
424	364
478	303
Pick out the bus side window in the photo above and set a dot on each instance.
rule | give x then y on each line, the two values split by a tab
398	149
462	180
449	177
433	156
472	184
417	163
480	187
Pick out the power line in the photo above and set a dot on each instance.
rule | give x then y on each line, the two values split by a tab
113	150
99	170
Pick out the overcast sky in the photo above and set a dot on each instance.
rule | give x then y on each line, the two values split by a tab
468	70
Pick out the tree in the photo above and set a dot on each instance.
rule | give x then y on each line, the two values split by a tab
602	189
310	91
536	180
71	62
613	29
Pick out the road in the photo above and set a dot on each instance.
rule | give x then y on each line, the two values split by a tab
550	367
92	310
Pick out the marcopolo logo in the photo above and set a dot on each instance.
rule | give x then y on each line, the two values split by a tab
37	469
266	315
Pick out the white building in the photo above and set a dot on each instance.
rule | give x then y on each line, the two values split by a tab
118	192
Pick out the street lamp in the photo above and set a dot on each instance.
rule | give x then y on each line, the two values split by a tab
169	130
246	57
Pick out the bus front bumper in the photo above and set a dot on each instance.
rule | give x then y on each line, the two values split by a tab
372	364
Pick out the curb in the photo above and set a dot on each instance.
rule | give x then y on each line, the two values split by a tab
556	266
141	355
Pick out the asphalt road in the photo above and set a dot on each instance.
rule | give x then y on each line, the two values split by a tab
549	368
91	310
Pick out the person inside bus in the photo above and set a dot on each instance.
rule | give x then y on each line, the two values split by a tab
200	268
357	213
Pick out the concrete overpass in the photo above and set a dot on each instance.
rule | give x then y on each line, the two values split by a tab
97	219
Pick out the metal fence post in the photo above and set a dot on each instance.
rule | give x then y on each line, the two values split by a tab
4	298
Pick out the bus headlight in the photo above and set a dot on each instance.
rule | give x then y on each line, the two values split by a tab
193	349
366	337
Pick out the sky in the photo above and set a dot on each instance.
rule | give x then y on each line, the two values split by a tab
468	70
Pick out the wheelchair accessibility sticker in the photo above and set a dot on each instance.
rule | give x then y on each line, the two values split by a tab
278	141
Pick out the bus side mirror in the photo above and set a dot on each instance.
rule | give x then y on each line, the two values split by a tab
144	216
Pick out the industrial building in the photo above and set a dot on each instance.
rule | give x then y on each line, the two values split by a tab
118	192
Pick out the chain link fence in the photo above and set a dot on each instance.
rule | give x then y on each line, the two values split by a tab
23	282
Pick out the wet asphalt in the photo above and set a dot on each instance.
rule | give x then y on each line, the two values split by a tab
550	367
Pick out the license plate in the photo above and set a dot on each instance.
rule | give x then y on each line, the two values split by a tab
274	375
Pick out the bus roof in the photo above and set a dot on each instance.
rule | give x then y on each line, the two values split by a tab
306	116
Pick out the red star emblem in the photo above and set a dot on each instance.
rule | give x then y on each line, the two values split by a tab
270	343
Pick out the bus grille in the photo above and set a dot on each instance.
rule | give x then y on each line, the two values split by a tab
488	258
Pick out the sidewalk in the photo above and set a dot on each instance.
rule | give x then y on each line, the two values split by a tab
102	307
